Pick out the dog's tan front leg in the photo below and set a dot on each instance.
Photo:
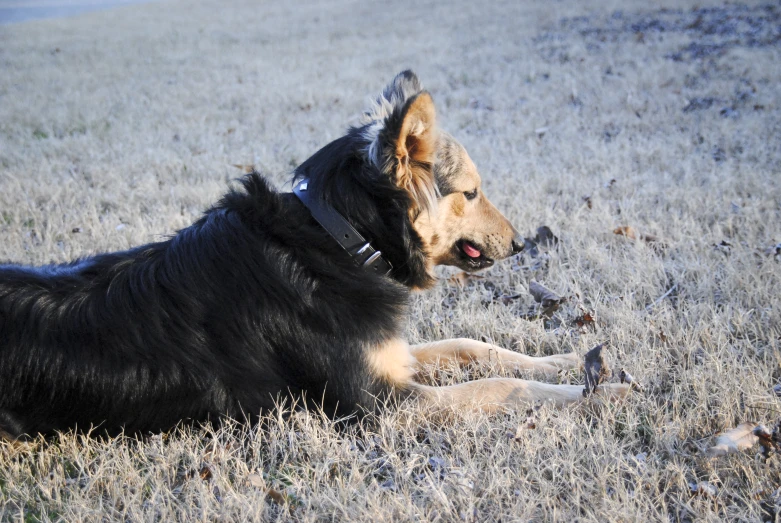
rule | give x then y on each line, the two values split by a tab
463	351
492	394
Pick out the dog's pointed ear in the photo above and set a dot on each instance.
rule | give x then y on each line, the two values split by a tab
403	87
402	134
416	148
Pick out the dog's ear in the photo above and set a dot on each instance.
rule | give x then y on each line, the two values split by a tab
401	130
403	87
416	148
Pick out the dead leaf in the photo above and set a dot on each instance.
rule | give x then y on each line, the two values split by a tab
596	369
765	440
704	489
652	240
276	496
723	246
587	201
769	442
507	299
256	480
734	440
530	423
549	300
531	417
773	250
584	320
545	237
627	231
462	278
245	168
633	234
438	465
206	472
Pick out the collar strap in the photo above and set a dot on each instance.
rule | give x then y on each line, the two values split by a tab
340	229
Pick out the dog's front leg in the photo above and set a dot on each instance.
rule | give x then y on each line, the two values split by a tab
393	362
463	351
492	394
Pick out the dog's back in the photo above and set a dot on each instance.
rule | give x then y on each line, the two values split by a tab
232	312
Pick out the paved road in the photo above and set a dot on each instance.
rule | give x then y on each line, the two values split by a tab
12	11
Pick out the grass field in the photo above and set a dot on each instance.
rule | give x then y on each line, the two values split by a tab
121	126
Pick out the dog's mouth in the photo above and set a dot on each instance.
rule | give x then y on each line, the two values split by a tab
471	256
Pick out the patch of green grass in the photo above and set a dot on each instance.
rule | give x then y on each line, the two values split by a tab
78	130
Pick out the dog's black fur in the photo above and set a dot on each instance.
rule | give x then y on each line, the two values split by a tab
252	302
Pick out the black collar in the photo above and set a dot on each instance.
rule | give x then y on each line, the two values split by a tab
340	230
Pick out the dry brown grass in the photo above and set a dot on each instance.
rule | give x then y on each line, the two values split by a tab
124	124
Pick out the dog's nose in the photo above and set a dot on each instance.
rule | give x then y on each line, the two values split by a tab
518	246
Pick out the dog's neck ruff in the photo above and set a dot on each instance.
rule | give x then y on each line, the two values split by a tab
359	249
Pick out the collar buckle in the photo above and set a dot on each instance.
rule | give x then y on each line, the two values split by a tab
343	232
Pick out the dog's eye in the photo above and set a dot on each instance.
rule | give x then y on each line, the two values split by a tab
471	195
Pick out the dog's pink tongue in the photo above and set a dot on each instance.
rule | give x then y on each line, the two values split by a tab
470	251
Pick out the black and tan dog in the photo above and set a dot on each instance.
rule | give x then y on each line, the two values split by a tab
300	294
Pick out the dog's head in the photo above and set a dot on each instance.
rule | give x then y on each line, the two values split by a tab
466	230
458	224
410	189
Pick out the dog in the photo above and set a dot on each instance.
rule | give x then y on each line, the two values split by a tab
296	295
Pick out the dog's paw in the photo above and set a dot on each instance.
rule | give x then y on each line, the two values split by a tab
614	390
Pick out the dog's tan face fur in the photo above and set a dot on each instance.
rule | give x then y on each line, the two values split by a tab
450	213
465	229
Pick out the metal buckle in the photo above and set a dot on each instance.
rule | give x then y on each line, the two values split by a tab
373	258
